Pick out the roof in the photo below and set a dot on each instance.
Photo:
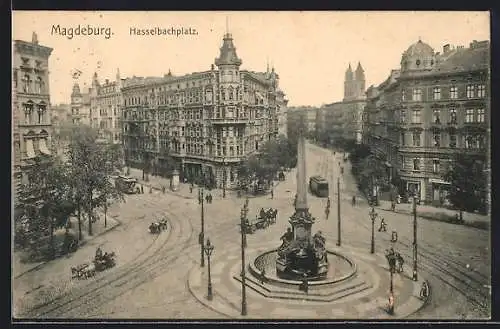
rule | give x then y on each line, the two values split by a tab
465	59
228	52
419	48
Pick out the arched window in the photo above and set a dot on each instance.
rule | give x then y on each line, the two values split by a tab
38	85
26	83
231	93
222	94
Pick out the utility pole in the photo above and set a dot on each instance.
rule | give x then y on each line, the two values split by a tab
338	212
202	234
243	274
415	276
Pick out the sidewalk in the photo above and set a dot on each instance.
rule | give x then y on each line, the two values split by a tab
439	214
20	268
424	211
156	182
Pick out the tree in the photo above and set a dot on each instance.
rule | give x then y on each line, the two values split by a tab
90	164
46	201
468	183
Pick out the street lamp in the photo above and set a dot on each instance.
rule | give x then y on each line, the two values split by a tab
209	248
202	234
243	225
243	292
224	177
415	276
373	216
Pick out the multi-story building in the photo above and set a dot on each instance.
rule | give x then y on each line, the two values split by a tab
61	119
32	126
207	121
80	105
105	108
346	117
435	106
306	113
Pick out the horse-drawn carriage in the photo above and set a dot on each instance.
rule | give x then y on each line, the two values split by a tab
262	221
100	263
157	227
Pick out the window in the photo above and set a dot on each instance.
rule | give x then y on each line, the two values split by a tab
417	95
416	138
469	141
26	83
481	90
403	142
454	92
480	115
403	116
480	141
436	92
416	116
416	164
435	166
402	161
469	115
470	91
437	139
453	140
436	116
453	116
28	108
403	95
38	85
41	109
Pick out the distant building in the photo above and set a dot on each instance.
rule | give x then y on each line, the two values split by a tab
32	127
208	122
106	103
298	113
61	119
345	118
80	105
435	106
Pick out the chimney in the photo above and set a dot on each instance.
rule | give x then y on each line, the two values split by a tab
446	48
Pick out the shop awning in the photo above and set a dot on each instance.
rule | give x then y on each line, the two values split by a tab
30	150
43	146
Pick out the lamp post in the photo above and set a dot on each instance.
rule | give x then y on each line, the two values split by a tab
243	292
202	234
224	177
209	248
415	276
245	213
373	216
338	212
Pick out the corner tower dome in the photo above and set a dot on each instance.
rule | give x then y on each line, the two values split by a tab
228	52
419	56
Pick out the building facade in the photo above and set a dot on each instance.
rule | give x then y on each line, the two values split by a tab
435	106
80	105
105	108
208	122
32	127
345	118
307	113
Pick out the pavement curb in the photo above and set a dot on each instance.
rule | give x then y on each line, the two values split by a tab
39	266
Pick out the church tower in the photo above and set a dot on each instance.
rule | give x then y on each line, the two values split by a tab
354	83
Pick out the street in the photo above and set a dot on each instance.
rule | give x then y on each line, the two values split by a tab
150	279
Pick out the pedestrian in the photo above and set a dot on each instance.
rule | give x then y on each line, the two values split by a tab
272	193
383	225
424	291
142	189
327	212
207	198
211	199
353	200
391	305
150	189
328	203
401	262
163	189
190	188
393	205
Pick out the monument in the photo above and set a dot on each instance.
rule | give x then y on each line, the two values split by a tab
301	255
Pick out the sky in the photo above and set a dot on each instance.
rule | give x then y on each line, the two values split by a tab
309	50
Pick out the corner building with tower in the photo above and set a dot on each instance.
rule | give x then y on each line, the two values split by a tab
207	122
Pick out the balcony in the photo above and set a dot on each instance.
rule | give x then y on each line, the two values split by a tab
240	120
228	159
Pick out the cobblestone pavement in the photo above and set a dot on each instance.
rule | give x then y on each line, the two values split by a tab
150	280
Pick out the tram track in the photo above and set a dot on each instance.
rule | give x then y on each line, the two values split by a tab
138	272
439	266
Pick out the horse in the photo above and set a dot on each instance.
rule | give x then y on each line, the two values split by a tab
391	259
